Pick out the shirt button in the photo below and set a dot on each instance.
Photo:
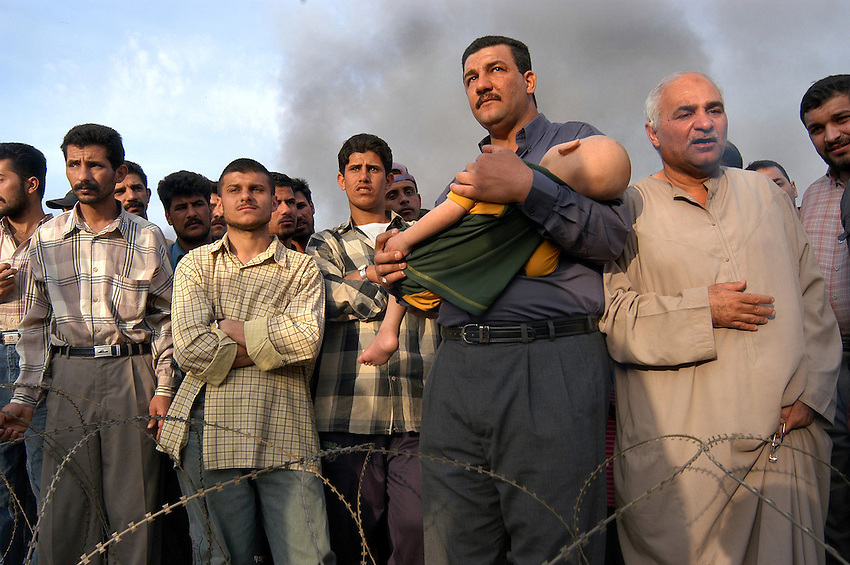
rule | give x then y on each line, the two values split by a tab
392	378
94	299
837	268
835	297
727	259
94	269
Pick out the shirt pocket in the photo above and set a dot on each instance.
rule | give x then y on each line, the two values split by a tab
129	299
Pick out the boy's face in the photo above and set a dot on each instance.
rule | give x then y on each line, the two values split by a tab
365	182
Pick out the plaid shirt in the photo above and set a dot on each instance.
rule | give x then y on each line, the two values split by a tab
262	413
821	216
351	397
88	289
12	306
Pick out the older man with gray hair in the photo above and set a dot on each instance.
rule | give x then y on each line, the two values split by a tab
726	349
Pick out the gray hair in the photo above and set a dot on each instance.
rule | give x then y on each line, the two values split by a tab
652	107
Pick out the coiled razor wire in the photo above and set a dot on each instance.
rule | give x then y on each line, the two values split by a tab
572	550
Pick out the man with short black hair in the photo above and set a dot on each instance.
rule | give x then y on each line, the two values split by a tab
305	211
22	174
495	398
99	325
777	174
282	223
186	198
133	192
218	227
358	404
825	212
248	321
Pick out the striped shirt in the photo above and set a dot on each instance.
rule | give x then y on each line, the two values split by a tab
12	306
351	397
89	289
260	415
820	213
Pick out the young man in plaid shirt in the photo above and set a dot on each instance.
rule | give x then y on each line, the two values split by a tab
358	404
248	320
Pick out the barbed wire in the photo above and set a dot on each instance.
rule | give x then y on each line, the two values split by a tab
571	550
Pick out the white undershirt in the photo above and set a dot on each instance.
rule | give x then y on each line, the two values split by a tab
372	230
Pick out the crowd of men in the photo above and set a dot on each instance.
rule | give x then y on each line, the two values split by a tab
218	374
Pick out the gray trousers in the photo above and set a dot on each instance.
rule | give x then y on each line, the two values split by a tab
112	476
837	531
534	414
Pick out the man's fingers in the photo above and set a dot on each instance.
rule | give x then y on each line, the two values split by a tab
736	286
391	278
383	237
755	298
465	178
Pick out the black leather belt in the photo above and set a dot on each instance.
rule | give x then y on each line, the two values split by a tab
98	351
522	333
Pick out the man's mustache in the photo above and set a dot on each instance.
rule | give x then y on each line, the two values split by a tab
485	97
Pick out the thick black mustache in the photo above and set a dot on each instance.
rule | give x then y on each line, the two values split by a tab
485	97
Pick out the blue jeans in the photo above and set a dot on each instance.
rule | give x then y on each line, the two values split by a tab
223	524
17	506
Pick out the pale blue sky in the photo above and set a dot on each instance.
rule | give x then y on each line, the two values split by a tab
193	85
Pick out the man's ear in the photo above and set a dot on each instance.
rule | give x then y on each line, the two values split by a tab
168	218
340	179
530	82
31	185
651	134
121	173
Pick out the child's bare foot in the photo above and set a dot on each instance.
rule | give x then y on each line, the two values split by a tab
380	350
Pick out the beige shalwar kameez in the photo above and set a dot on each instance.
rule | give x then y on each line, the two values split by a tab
676	374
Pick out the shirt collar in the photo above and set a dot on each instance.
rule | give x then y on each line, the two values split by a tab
6	229
531	131
832	173
76	222
276	250
712	185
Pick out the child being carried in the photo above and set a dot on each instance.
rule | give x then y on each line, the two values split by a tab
466	251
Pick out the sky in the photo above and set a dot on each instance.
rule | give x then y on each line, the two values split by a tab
193	85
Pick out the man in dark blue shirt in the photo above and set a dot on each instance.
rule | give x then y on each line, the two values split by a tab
520	391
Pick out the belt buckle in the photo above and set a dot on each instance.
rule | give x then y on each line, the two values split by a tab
483	334
103	351
11	338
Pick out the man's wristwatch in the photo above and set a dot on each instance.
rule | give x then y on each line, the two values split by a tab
362	271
